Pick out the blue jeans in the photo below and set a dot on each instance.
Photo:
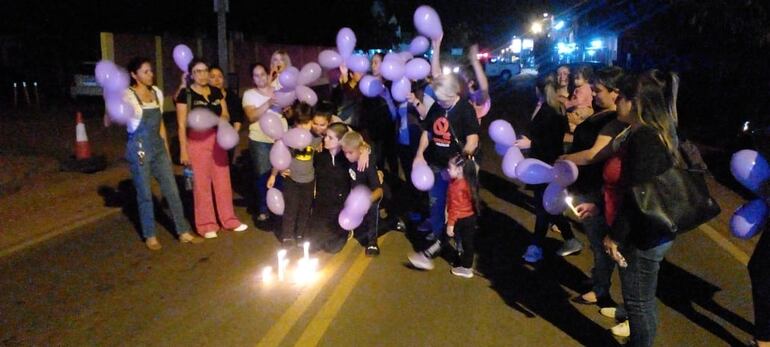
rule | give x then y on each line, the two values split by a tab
639	282
156	164
260	158
437	200
596	228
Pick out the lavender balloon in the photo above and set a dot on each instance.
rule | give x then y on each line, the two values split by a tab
349	220
533	171
329	59
309	73
405	56
553	199
306	95
288	78
346	42
104	71
511	160
271	125
392	69
422	177
370	86
280	157
227	137
427	22
750	169
275	201
201	119
565	172
417	69
501	149
400	89
502	132
297	138
358	63
749	219
359	200
182	56
394	56
285	97
419	45
119	110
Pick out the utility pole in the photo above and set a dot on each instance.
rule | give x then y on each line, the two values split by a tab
221	7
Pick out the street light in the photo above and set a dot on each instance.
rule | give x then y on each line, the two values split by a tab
537	27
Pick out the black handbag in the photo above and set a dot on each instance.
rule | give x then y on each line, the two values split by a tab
677	200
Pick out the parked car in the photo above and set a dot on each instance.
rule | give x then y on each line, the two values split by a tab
84	81
504	69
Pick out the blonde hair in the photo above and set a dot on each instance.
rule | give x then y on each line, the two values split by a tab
446	86
548	86
284	56
352	139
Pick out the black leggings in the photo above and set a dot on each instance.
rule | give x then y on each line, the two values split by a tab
759	272
543	219
298	199
465	229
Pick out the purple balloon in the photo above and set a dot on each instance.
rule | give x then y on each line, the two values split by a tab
501	149
309	73
749	219
502	132
565	172
119	110
227	137
417	69
349	220
275	201
750	169
297	138
427	22
419	45
511	160
201	119
346	42
182	56
370	86
553	199
358	63
533	171
285	98
288	78
400	89
306	95
119	83
280	157
405	56
394	56
329	59
422	177
271	125
392	69
359	200
104	71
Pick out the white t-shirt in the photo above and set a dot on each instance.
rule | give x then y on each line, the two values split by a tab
131	98
253	98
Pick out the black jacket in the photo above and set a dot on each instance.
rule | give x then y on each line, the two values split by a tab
546	131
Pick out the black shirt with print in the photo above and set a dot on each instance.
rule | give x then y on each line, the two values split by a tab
442	145
213	103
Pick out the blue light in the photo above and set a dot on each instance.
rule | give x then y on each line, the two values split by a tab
596	44
565	48
591	52
559	25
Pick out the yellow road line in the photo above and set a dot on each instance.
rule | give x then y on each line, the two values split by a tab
725	244
281	328
320	323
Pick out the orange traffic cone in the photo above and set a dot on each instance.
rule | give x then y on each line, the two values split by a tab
82	148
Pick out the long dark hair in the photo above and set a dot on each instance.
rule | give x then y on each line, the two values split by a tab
134	65
471	175
192	64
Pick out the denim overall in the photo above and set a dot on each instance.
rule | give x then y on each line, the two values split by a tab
146	152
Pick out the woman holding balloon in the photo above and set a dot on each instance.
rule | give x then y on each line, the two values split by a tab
279	61
148	156
199	148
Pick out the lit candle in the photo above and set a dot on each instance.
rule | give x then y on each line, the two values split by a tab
306	247
568	200
282	264
267	274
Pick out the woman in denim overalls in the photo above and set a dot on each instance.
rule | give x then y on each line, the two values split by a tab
147	153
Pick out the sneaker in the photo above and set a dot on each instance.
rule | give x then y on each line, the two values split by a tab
241	228
533	254
262	217
621	330
372	251
210	235
420	261
570	246
462	272
152	243
400	225
189	238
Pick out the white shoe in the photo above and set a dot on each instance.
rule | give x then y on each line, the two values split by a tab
210	235
241	227
420	261
621	330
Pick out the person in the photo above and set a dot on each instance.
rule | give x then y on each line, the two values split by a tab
450	128
257	101
545	143
353	146
580	103
299	182
208	160
348	97
646	149
409	116
377	123
600	128
563	83
478	85
463	208
279	61
148	156
231	99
